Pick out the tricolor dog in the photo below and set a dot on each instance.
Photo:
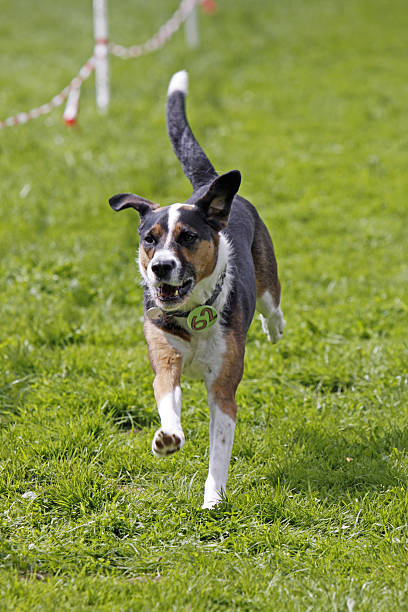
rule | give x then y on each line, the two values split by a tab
206	265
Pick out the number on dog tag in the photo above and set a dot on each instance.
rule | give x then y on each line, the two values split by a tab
201	318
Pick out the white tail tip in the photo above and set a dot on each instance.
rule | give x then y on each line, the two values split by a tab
178	82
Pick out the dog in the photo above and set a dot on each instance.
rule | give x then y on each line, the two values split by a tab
206	265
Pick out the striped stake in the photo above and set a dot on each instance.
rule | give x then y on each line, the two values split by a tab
71	108
101	54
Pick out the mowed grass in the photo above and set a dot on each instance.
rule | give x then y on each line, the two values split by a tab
309	100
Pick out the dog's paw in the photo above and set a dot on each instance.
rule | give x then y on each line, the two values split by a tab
214	492
165	442
276	331
273	326
209	504
213	498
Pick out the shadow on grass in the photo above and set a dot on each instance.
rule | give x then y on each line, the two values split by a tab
130	413
334	465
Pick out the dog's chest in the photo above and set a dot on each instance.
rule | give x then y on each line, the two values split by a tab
203	355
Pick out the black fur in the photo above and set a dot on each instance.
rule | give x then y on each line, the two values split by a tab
196	165
242	219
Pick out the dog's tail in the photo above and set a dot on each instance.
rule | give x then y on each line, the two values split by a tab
196	165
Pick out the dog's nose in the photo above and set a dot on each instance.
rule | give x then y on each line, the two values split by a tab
163	268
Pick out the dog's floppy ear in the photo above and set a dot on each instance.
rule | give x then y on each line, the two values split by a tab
130	200
216	202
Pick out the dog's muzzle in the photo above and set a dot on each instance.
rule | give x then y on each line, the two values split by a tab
169	285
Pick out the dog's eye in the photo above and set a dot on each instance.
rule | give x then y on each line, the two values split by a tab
149	239
187	238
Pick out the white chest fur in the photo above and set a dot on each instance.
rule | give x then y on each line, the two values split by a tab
203	355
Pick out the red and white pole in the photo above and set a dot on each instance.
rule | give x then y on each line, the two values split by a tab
101	54
72	106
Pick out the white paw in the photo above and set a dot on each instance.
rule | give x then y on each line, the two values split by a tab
213	496
273	326
276	330
210	504
166	442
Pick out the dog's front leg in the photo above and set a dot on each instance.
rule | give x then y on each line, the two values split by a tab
170	437
166	362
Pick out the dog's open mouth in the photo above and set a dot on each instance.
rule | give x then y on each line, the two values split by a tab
170	293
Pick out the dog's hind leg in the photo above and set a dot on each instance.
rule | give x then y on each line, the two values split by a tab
271	316
267	283
166	362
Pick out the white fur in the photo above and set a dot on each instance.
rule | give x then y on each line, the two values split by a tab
203	358
203	355
271	317
178	82
169	410
172	218
222	429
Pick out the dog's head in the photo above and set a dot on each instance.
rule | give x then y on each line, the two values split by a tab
179	243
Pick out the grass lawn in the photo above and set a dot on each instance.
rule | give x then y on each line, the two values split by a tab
309	100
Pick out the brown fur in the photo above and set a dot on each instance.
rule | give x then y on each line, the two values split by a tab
225	385
145	257
203	258
165	360
147	254
266	269
157	231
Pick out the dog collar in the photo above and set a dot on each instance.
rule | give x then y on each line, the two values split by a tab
199	318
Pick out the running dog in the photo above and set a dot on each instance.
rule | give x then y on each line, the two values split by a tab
206	264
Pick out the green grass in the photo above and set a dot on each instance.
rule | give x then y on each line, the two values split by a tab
309	101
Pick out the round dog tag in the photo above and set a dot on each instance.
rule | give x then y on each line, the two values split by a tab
154	313
201	318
